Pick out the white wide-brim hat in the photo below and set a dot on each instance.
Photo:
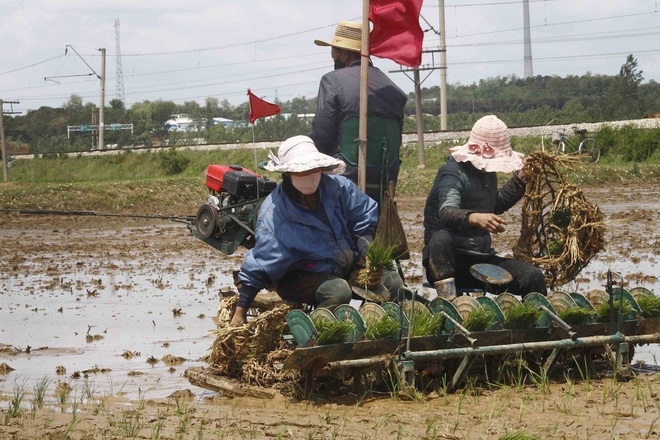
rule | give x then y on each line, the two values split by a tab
298	154
491	134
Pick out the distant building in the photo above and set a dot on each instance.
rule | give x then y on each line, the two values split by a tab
302	116
183	122
227	123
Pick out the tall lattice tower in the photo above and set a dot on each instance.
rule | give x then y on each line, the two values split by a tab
120	72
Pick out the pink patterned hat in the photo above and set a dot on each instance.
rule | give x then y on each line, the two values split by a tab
489	147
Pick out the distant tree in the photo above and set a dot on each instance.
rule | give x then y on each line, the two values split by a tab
117	104
74	103
624	99
300	106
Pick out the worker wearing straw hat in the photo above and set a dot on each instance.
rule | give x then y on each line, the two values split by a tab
339	98
312	232
463	209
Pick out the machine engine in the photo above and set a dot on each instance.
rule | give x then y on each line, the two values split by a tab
227	220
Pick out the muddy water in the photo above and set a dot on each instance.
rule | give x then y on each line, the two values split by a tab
108	302
108	317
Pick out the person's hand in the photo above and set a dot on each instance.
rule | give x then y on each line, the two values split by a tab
524	173
239	318
490	222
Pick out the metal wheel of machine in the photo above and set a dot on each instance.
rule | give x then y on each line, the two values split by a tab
560	147
207	218
589	146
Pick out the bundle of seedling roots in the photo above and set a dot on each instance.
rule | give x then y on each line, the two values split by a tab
561	231
252	353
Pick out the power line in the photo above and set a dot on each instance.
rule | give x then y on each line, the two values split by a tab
31	65
260	74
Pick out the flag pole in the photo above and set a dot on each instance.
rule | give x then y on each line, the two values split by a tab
364	81
254	150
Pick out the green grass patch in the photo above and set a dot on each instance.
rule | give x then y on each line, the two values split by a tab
166	181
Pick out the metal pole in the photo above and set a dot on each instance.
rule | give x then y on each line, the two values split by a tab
420	121
102	103
364	94
443	68
588	341
528	69
2	143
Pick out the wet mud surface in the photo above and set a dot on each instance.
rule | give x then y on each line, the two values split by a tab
124	307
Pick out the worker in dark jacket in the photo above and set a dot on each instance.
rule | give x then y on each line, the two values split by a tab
339	97
464	208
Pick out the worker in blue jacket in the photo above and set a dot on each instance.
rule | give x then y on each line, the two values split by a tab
311	232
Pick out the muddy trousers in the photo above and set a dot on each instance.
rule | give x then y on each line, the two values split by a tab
441	259
324	290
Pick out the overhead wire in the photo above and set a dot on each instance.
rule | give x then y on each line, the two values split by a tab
202	83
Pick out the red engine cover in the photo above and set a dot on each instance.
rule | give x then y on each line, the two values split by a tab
216	173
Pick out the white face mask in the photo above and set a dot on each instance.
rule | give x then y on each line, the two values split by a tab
306	184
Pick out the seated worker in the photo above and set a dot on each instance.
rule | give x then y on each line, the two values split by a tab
464	207
339	97
311	232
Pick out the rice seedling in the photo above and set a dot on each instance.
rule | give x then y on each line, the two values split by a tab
478	320
332	332
518	435
577	315
157	426
521	316
130	424
425	324
40	392
651	431
603	310
385	327
650	306
379	258
14	409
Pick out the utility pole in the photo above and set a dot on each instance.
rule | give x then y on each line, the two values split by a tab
102	103
420	120
2	137
101	144
418	99
443	68
529	72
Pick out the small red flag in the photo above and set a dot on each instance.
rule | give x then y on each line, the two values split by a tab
260	108
396	33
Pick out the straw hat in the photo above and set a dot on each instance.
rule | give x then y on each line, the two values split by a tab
348	36
298	154
489	147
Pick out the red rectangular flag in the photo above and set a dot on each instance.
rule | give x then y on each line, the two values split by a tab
396	32
260	108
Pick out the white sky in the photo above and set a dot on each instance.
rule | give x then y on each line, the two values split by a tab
189	50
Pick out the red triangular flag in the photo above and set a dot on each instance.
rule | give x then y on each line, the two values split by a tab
260	108
396	33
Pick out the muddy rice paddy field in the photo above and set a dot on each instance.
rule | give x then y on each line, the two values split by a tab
113	311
